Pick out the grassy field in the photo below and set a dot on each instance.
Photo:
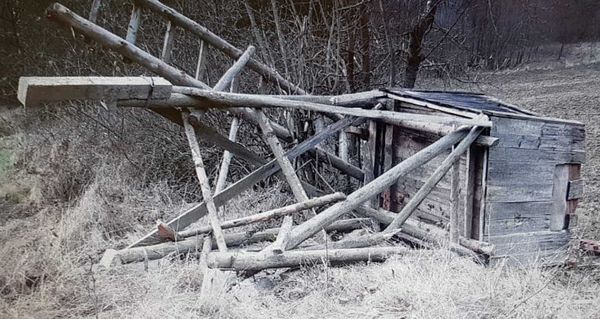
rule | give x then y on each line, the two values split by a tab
67	195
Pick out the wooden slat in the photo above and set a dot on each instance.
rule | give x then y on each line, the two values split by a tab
201	64
134	24
36	90
168	42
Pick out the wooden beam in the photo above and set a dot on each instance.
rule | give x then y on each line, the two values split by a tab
313	225
246	261
198	211
226	160
390	117
290	175
274	213
437	175
428	232
204	184
36	90
200	65
338	163
219	43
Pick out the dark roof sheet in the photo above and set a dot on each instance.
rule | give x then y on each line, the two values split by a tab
460	100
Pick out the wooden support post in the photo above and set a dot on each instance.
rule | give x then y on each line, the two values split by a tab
168	42
254	261
200	210
204	183
134	24
274	213
454	198
437	175
388	158
291	177
313	225
36	90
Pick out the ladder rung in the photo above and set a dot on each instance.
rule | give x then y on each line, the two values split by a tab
134	24
168	42
94	10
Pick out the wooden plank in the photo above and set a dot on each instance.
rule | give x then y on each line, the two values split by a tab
518	210
506	173
168	42
204	184
454	198
521	155
201	64
530	243
134	24
559	198
35	90
575	189
519	193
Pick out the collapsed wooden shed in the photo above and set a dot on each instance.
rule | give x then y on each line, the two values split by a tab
510	195
519	194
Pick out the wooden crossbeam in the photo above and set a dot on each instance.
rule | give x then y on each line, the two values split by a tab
36	90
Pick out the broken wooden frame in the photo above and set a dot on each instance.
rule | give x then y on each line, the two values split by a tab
190	94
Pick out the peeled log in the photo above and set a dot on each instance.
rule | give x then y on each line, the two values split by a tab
138	254
242	261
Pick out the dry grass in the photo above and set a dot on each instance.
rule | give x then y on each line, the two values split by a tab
70	189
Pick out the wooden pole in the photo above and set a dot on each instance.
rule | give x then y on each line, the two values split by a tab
246	261
224	168
134	24
94	10
437	175
390	117
168	42
204	184
313	225
274	213
139	254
